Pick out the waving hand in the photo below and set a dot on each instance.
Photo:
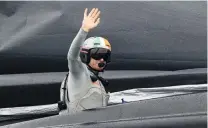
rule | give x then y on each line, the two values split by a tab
91	20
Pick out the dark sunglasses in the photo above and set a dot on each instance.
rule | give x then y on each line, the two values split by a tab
100	53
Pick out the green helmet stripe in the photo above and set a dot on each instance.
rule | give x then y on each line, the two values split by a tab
97	41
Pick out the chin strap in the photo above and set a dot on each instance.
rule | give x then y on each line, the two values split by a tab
95	76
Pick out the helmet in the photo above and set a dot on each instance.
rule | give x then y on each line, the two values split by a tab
94	46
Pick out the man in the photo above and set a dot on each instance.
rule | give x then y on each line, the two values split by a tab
86	58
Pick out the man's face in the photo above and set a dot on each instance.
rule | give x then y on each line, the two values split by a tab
99	55
94	64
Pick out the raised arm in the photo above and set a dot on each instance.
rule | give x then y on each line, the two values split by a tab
89	22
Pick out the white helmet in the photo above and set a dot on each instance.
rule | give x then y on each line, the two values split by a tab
95	47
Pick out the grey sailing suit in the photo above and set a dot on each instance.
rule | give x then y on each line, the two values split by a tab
82	92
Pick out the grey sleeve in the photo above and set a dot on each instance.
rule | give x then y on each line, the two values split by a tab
74	63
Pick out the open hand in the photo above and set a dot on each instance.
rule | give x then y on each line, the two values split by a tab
91	20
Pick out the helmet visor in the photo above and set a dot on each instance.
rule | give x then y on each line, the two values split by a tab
100	53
